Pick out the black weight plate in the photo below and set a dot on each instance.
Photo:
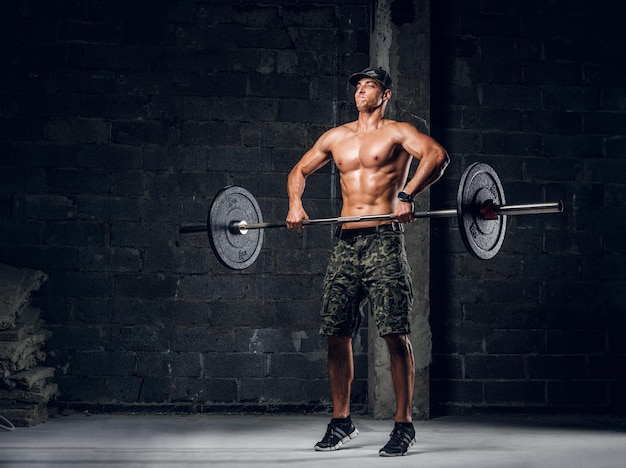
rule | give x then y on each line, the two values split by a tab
482	238
234	250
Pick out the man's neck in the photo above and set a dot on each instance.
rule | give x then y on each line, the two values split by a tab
369	121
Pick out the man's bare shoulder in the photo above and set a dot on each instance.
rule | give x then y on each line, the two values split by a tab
343	128
337	133
402	130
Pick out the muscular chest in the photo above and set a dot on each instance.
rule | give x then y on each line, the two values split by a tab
364	151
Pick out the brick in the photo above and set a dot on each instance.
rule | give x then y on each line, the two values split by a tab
292	365
48	104
144	132
145	286
509	96
81	389
205	390
135	338
94	258
573	98
74	338
77	130
268	340
554	121
577	392
114	106
64	181
576	341
203	287
508	291
509	393
573	146
126	182
554	74
48	207
78	284
124	260
210	133
202	340
249	313
178	364
42	257
140	311
557	367
272	390
102	363
458	339
45	154
275	134
516	342
255	16
607	366
298	314
74	233
312	112
512	143
96	207
155	390
446	367
494	367
177	260
235	365
92	310
453	391
133	234
122	388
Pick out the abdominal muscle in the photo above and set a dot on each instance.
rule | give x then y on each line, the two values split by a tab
369	192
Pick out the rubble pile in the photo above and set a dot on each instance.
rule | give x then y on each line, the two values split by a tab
25	386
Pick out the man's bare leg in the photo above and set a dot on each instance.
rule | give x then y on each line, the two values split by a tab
402	374
340	373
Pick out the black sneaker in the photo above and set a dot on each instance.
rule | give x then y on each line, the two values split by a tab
336	435
402	439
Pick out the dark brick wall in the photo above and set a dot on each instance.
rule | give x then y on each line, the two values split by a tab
119	121
538	90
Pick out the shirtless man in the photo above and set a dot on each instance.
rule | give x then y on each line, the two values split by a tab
373	155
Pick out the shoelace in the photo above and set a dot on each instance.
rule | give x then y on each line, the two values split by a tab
330	432
398	436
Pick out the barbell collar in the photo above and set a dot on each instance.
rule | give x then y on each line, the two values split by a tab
530	209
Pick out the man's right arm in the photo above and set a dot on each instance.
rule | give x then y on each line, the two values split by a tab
312	160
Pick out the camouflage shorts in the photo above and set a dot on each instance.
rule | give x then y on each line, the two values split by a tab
373	267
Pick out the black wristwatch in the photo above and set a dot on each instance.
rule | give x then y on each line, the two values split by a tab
405	197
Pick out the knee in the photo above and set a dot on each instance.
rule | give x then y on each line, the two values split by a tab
399	344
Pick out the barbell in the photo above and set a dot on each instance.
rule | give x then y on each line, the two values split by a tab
235	224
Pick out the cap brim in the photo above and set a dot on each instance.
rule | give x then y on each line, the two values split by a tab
354	78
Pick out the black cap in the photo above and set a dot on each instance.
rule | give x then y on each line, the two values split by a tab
378	74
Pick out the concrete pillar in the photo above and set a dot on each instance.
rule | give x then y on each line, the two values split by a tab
400	43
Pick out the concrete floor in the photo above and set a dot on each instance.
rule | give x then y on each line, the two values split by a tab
274	440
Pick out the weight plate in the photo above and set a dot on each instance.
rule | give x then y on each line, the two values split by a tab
234	250
482	238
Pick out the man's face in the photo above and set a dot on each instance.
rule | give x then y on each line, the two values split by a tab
369	94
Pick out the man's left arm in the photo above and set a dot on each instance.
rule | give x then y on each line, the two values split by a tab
433	160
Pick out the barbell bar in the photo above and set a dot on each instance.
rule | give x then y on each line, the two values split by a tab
235	224
241	227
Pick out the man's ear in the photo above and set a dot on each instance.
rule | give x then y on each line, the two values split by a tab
387	94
